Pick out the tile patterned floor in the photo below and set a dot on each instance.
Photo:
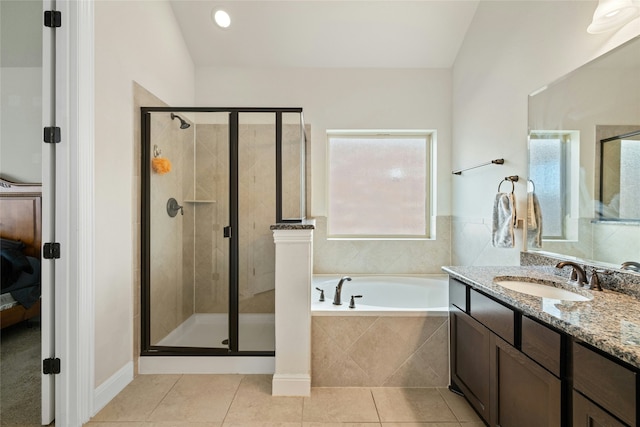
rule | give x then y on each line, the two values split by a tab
246	401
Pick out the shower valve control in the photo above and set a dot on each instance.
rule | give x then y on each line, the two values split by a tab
352	303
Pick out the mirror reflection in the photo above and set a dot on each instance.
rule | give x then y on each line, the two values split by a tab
620	178
584	161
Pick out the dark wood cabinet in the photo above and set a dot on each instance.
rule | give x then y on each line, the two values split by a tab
542	344
518	372
588	414
523	393
495	316
605	382
506	387
470	343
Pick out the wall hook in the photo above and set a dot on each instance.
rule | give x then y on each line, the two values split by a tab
156	151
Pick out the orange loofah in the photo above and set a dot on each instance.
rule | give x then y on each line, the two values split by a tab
161	165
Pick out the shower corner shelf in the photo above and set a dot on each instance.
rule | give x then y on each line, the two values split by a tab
200	201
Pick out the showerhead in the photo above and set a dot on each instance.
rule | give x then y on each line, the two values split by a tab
183	124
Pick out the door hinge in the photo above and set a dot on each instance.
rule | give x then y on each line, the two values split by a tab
51	251
227	231
52	18
51	366
52	134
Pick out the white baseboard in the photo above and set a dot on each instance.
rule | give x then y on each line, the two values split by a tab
109	389
291	385
206	365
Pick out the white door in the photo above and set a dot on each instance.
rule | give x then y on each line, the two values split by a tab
48	214
27	105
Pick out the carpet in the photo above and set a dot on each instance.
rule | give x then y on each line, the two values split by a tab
20	368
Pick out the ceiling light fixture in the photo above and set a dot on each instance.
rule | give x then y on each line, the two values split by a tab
221	18
611	14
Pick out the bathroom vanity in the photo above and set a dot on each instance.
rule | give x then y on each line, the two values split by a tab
522	360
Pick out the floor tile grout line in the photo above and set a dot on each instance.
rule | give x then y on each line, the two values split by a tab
447	403
375	405
161	400
226	414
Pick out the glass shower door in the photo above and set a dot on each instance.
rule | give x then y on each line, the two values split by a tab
256	249
187	192
213	182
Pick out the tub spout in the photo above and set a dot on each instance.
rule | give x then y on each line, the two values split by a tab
336	298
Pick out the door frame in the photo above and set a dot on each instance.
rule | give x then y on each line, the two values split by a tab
74	211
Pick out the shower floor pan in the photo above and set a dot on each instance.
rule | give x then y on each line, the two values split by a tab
209	330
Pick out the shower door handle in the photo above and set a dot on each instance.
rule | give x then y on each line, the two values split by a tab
227	231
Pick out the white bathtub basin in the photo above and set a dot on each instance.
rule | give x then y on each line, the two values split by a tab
541	290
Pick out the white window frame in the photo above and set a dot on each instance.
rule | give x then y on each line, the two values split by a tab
571	170
430	138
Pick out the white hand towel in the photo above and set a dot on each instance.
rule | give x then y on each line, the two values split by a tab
534	221
504	220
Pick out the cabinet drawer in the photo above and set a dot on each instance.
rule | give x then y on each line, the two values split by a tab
541	344
458	294
606	382
493	315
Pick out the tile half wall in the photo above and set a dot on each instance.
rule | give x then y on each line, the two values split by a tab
370	351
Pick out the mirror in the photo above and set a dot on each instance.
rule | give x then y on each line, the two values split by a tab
584	161
619	189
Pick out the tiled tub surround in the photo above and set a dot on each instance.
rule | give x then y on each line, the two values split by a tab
403	344
383	256
379	351
609	322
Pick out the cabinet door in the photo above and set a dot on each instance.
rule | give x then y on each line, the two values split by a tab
606	382
588	414
470	360
523	393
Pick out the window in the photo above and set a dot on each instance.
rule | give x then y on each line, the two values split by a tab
379	184
554	180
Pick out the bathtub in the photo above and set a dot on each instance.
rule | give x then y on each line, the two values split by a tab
382	295
403	320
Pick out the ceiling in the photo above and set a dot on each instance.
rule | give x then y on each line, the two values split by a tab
326	33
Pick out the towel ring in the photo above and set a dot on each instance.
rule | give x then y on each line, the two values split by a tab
513	186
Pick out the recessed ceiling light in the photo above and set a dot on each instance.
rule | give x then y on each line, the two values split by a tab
221	18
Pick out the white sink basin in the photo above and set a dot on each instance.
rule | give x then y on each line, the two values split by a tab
540	290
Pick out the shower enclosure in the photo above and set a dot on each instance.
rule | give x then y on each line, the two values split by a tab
213	182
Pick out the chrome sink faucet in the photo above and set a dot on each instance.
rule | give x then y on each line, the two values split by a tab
577	274
336	298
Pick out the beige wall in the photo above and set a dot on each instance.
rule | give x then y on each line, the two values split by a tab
511	50
353	99
135	41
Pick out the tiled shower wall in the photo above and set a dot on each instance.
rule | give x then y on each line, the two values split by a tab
170	273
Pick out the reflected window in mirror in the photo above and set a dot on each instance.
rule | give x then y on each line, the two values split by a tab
620	178
553	169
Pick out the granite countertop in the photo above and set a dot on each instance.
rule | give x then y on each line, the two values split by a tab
305	224
610	321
